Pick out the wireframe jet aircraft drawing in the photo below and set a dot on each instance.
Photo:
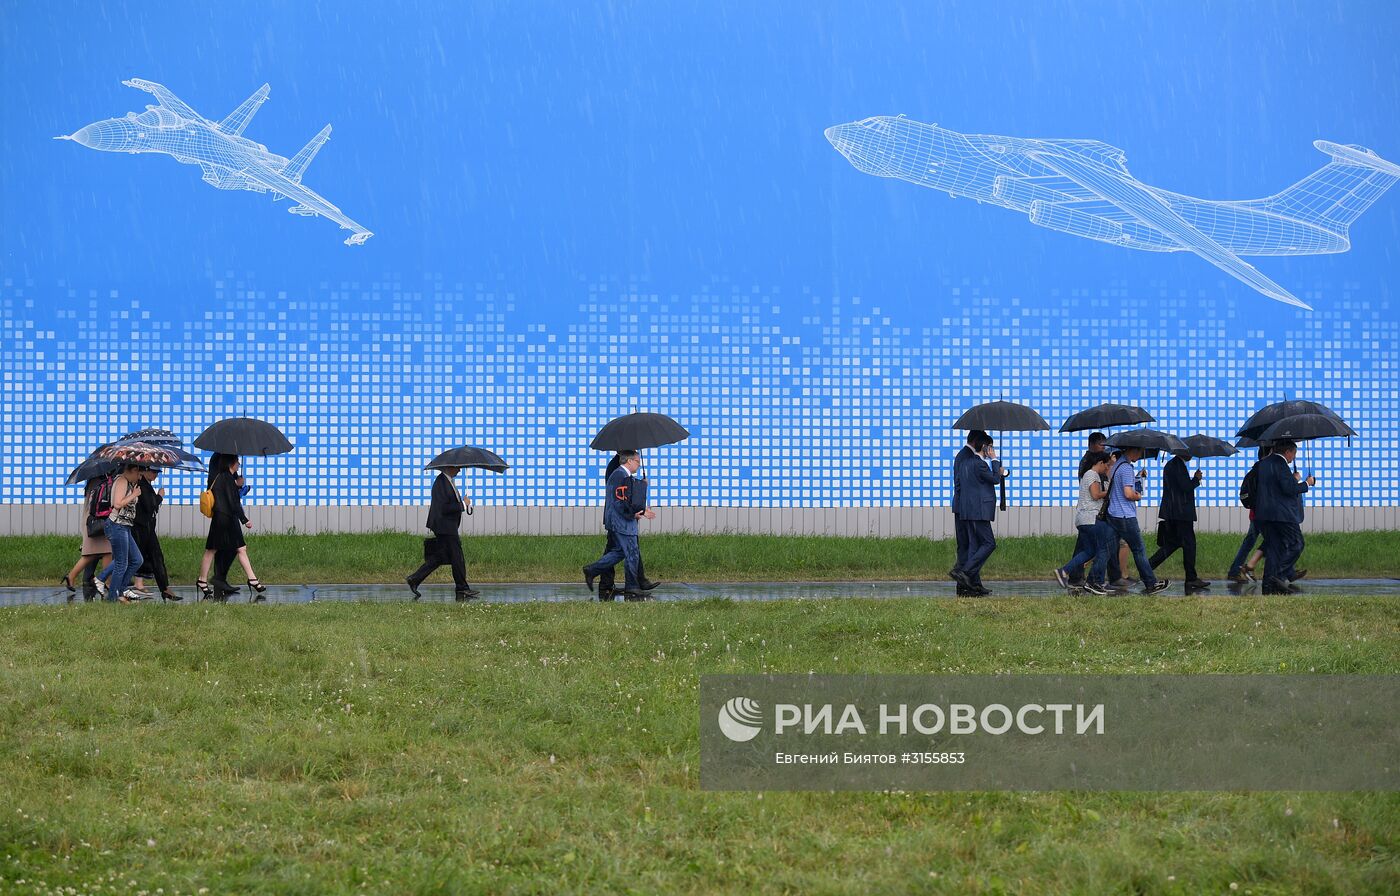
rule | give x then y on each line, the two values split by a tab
1082	187
230	161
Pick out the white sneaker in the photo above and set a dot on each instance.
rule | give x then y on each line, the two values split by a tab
101	588
130	596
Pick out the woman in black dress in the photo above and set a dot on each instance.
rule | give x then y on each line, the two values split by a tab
225	540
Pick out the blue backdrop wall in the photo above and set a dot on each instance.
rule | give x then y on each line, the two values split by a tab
582	209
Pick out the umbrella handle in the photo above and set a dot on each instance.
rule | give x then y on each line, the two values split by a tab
1003	493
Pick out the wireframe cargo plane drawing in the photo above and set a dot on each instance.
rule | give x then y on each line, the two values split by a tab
230	161
1082	187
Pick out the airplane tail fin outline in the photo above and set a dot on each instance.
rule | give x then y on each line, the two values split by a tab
297	166
238	119
1336	194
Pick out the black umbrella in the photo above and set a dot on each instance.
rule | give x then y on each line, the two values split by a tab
1107	415
1303	427
1002	416
1201	445
1148	440
1270	414
243	436
638	430
1247	442
467	456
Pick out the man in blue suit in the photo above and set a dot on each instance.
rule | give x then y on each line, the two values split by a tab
1278	509
626	504
976	472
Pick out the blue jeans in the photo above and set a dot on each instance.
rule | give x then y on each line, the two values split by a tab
126	559
1245	547
1095	542
1127	529
626	549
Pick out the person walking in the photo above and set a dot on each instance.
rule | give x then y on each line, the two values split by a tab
976	471
225	541
445	547
1123	495
625	505
607	582
1242	567
144	529
114	583
1176	527
1096	536
96	550
1098	444
1279	511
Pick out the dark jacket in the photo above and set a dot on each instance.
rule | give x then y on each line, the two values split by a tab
1178	492
445	513
626	498
974	486
1280	497
147	506
225	529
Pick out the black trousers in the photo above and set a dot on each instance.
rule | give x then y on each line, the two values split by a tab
1173	534
607	582
446	552
223	562
154	559
1283	545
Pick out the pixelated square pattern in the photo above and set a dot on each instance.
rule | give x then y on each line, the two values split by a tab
793	400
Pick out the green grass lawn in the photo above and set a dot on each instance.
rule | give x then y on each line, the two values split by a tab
387	557
553	748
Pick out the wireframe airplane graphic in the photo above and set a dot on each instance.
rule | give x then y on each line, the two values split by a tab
230	161
1082	187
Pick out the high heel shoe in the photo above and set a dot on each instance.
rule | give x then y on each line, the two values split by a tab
258	589
205	592
167	594
67	583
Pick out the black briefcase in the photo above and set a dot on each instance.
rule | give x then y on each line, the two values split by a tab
432	549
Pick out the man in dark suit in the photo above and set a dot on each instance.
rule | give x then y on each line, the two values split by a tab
607	582
1278	510
1176	527
445	547
976	472
625	505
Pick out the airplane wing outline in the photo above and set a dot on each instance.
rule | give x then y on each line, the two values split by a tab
167	99
1151	210
307	198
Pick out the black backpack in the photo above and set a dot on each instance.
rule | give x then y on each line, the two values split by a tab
1249	487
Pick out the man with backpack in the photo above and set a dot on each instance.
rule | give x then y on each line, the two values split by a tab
1241	571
